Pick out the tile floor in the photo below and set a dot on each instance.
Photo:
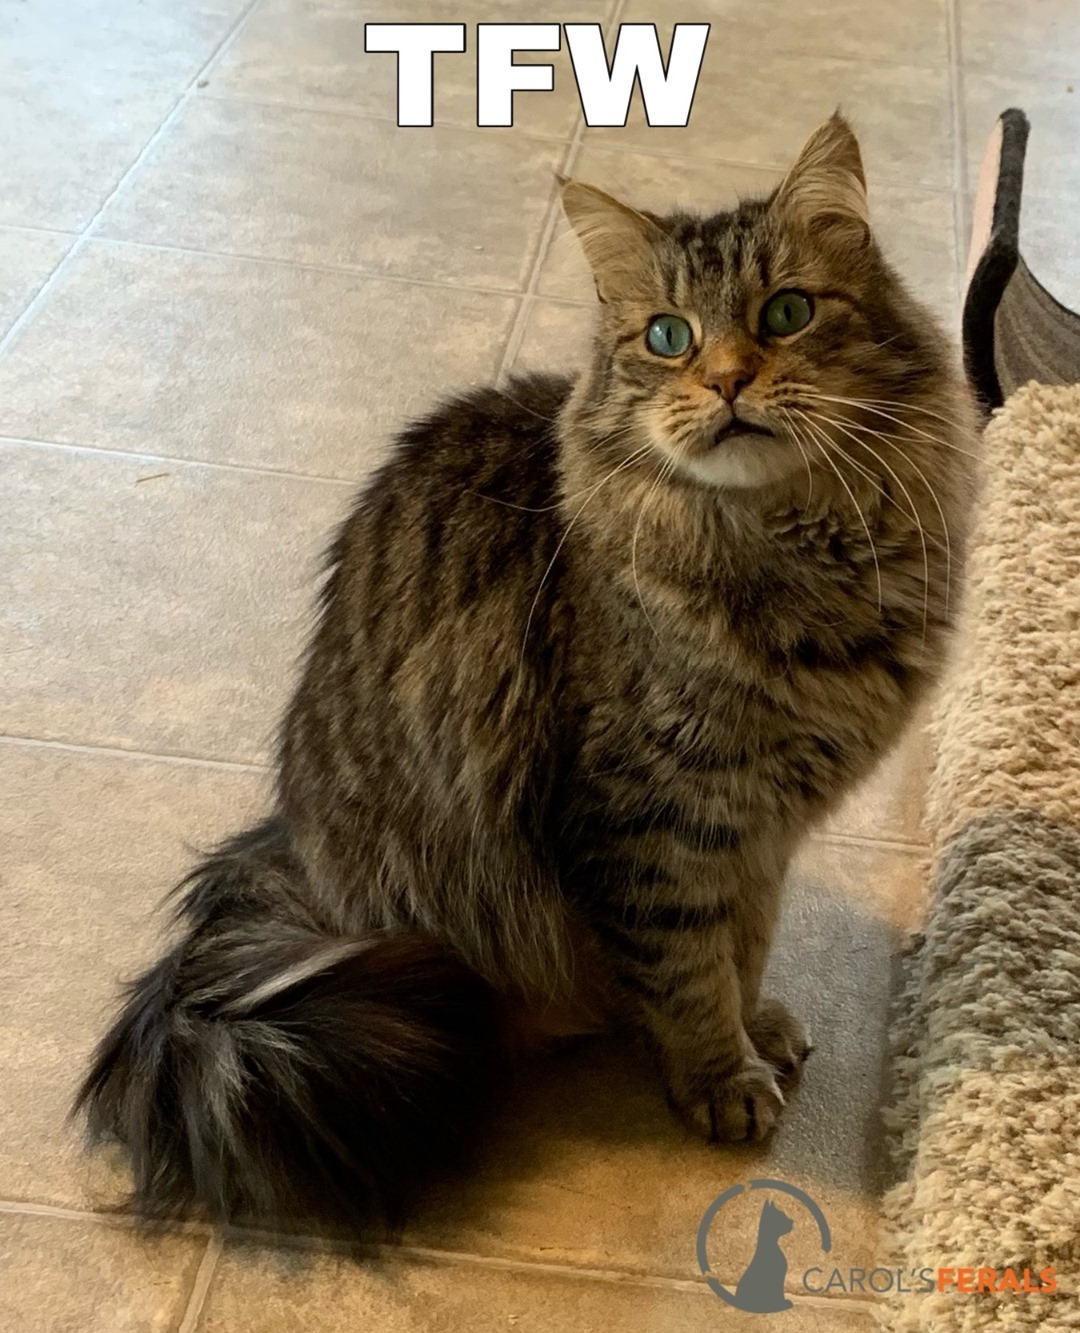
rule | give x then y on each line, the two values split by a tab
221	264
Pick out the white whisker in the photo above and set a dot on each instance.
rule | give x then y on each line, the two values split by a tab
862	518
893	440
785	413
914	515
626	462
662	473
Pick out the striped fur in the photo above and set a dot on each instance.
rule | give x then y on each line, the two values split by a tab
583	676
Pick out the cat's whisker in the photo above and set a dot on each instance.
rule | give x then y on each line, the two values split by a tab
888	437
866	527
626	462
914	432
793	432
540	416
825	443
894	442
914	514
661	476
867	405
954	422
611	438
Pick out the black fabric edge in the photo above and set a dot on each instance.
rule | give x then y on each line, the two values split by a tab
997	263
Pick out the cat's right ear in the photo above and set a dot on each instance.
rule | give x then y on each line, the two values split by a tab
618	241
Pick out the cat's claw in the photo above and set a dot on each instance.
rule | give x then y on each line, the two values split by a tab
781	1040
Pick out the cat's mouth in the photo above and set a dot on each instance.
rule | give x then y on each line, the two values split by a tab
737	426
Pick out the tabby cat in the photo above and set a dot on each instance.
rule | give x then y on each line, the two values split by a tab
592	657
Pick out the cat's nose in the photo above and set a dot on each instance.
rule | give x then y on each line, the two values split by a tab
730	380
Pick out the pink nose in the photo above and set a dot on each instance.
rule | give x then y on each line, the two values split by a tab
728	382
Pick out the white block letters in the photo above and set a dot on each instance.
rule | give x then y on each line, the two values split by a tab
605	86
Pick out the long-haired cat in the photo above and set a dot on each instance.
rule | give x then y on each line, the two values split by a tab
592	657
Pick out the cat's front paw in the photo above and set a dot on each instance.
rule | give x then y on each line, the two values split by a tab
781	1040
743	1105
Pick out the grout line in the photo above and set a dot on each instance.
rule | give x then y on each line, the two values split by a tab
119	1220
614	145
692	1285
773	168
200	1288
46	289
120	752
279	1240
40	295
521	319
134	454
911	846
959	147
647	150
306	266
551	221
354	112
515	1264
38	230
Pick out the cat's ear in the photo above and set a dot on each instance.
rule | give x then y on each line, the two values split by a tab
826	188
618	241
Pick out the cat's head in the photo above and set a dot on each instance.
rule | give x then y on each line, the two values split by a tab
775	1220
735	346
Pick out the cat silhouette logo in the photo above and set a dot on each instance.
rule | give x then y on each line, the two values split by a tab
760	1290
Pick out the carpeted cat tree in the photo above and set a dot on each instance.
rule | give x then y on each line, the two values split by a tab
986	1062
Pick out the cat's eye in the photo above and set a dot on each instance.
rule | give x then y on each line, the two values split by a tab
669	335
787	313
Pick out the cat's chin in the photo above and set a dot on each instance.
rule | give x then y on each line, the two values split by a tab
743	461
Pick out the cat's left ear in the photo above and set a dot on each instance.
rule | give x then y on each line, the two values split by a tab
619	242
826	188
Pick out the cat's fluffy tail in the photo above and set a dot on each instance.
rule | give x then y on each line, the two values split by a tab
266	1069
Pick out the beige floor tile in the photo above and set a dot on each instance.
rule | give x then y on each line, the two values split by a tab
287	1292
912	33
243	362
556	338
154	606
65	147
323	188
588	1167
26	260
92	842
298	52
890	803
155	40
1052	103
1040	35
62	1276
1050	243
83	88
915	227
901	113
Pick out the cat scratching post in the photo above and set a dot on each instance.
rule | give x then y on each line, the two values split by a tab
985	1116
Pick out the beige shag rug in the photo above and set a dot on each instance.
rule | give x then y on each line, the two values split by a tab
986	1060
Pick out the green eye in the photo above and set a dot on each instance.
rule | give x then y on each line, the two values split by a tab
669	335
786	313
